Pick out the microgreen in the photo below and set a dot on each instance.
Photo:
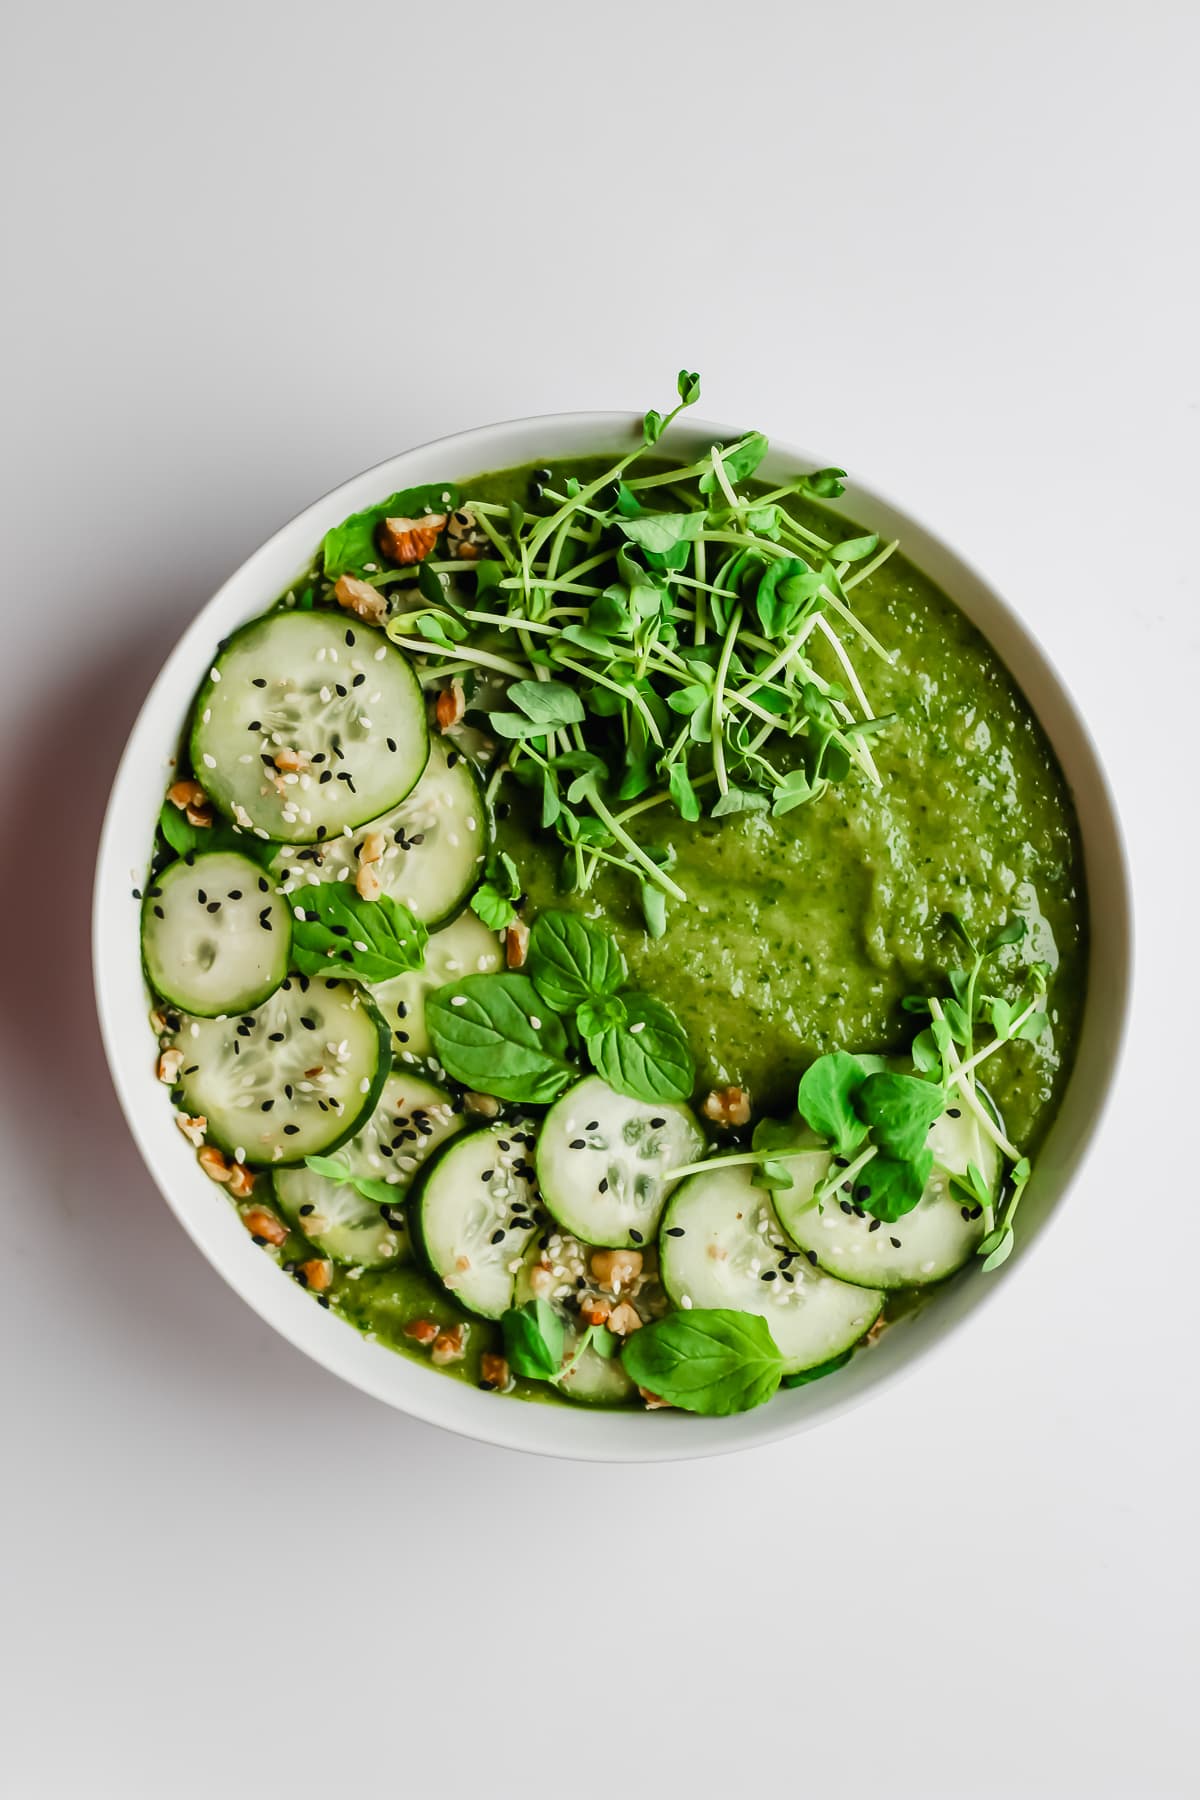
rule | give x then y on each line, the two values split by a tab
645	641
336	932
335	1168
706	1361
493	899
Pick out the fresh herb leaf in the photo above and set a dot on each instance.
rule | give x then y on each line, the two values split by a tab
533	1340
714	1362
334	1168
494	908
336	931
899	1109
647	1057
547	703
570	960
890	1187
826	1099
739	463
604	1014
739	800
350	546
654	909
854	549
496	1034
660	532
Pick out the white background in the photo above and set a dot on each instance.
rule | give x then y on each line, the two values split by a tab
252	248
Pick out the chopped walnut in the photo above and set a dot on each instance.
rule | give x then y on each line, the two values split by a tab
411	540
368	881
193	1129
623	1320
241	1181
877	1330
213	1162
727	1106
615	1269
169	1065
450	1345
373	847
653	1401
516	945
261	1222
450	705
317	1273
290	762
422	1331
493	1371
594	1309
486	1105
192	801
361	599
541	1281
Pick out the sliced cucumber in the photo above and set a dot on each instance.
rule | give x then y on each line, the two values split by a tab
721	1246
298	1075
472	1212
216	937
334	702
412	1118
602	1157
436	842
553	1268
464	947
941	1233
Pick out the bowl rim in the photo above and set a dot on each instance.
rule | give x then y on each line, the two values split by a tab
562	1431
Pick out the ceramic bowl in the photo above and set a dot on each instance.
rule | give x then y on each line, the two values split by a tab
212	1222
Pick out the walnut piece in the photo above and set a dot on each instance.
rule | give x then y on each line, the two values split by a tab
727	1106
361	599
261	1222
615	1269
450	705
450	1345
493	1371
411	540
516	945
624	1320
368	882
422	1331
192	802
317	1273
192	1129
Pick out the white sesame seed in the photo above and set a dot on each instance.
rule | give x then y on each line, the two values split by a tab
458	1000
210	762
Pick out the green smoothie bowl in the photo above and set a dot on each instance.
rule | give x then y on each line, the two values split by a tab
611	936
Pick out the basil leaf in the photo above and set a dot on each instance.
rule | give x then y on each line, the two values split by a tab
547	702
661	532
804	1376
825	1098
494	1033
350	546
194	840
375	939
648	1057
595	1016
570	960
533	1340
604	1343
899	1110
889	1187
706	1361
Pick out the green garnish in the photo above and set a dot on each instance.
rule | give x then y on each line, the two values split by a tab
876	1121
509	1029
336	932
335	1168
352	547
706	1361
535	1340
644	641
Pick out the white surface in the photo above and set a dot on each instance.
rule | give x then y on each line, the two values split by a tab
259	247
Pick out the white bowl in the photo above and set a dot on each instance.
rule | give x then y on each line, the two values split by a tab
212	1222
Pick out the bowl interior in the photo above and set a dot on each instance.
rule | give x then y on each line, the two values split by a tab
212	1222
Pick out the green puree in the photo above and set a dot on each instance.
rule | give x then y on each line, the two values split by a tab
802	933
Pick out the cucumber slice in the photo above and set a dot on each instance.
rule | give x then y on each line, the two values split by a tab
472	1212
938	1236
338	696
298	1075
464	947
216	937
436	842
721	1245
596	1380
412	1118
601	1160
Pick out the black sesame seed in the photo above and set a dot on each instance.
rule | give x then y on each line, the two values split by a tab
235	894
952	1112
636	1236
768	1275
255	1239
578	1144
812	1257
845	1206
322	830
137	893
258	682
674	1230
402	1037
391	744
275	1037
487	1174
159	913
264	886
603	1184
323	1300
875	1224
324	776
503	1144
339	690
201	896
267	1105
254	725
657	1124
213	906
894	1242
291	1130
453	759
288	1089
358	681
497	1236
350	639
309	1024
